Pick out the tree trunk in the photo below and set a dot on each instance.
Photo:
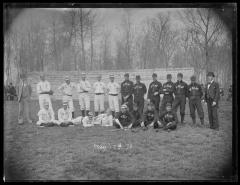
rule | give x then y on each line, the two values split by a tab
82	40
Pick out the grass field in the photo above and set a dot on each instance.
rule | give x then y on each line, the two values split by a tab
189	153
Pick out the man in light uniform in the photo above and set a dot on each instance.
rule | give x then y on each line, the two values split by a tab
83	88
99	90
43	89
113	90
66	89
65	115
46	116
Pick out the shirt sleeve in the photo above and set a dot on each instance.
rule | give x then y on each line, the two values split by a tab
88	86
40	115
38	88
52	115
61	87
70	116
60	116
144	88
48	87
217	93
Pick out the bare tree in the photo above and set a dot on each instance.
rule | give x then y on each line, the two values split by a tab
205	28
83	28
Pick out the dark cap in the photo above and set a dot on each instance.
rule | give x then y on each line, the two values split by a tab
180	74
138	77
126	74
154	75
193	78
211	74
169	76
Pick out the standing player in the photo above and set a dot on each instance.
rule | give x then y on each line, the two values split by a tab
113	90
195	95
167	91
83	88
127	91
139	90
154	92
180	92
212	98
44	91
67	89
99	90
24	92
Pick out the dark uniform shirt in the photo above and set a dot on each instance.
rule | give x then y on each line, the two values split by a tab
150	116
195	91
139	89
167	117
180	88
127	88
168	88
155	86
125	118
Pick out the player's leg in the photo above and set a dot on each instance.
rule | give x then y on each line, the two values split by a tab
182	108
101	103
87	103
81	104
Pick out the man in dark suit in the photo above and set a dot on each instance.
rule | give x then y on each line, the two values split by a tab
212	98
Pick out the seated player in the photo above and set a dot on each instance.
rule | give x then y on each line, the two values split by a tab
150	116
46	117
105	119
88	121
124	120
136	116
168	118
65	115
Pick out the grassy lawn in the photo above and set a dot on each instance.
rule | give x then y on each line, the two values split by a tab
189	153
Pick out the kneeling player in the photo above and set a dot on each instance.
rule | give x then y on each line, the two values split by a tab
124	119
65	115
46	117
168	118
150	116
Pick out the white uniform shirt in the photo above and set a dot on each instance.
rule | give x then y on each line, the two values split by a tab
46	115
99	87
43	86
67	88
83	86
64	115
113	87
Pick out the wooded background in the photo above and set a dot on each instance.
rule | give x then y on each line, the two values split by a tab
76	39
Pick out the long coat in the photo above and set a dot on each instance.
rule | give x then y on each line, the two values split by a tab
213	93
20	89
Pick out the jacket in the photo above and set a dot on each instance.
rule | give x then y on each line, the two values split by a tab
213	93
